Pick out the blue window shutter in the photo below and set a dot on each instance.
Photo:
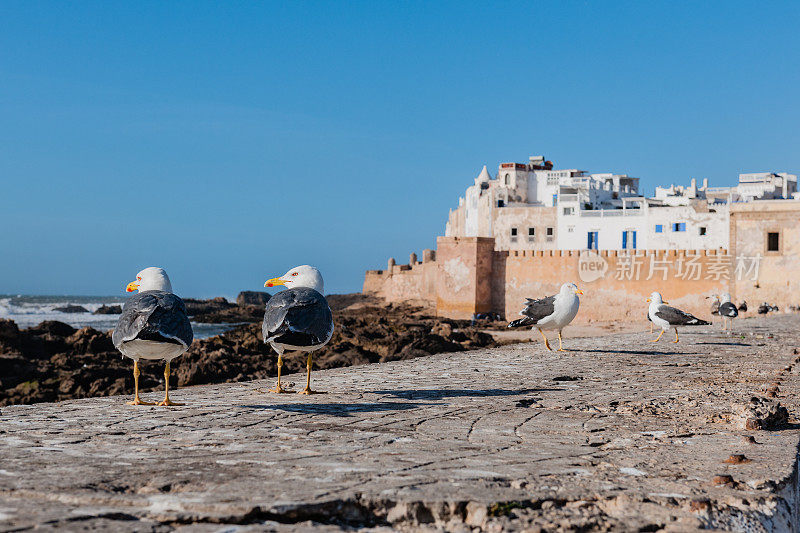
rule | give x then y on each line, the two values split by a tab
589	240
555	199
634	239
624	240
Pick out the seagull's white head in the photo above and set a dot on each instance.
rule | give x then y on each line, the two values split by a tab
299	276
725	298
570	288
150	279
656	298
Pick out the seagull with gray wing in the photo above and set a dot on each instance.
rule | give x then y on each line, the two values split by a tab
153	325
667	317
727	311
553	312
297	318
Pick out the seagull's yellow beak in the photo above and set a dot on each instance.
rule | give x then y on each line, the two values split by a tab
132	286
274	281
578	291
649	300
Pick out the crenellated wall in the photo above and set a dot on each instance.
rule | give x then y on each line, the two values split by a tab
467	276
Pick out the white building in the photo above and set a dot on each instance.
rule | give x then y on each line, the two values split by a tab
534	206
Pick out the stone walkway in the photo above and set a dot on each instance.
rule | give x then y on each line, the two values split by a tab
619	434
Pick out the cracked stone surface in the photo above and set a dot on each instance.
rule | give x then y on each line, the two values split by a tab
617	434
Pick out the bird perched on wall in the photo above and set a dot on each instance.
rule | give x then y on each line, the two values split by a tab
743	306
763	309
297	318
668	317
727	311
714	304
553	312
153	325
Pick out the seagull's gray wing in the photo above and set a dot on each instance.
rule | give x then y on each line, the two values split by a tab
676	317
297	317
728	310
539	309
153	315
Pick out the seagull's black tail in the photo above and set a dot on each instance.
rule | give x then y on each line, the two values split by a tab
524	321
697	322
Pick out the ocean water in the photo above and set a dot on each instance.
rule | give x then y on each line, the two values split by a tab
29	311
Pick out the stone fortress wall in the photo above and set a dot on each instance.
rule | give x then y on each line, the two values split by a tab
467	275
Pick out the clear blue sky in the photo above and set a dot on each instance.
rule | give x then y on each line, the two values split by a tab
228	142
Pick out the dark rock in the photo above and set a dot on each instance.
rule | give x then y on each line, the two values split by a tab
53	327
71	309
108	310
252	298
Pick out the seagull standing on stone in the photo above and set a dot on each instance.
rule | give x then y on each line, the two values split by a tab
667	317
297	318
727	311
553	312
153	325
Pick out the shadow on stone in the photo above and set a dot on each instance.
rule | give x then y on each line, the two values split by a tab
338	409
725	343
439	394
640	352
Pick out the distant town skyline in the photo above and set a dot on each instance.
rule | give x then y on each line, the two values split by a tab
231	142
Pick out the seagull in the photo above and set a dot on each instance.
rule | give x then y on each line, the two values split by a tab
668	317
714	305
763	309
727	311
553	312
297	318
153	325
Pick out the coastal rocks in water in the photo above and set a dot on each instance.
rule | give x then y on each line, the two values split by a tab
53	361
71	309
108	310
197	307
252	298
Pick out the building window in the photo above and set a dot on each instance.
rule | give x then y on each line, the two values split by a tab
531	234
508	180
702	230
591	243
567	210
659	228
513	232
628	240
773	241
555	199
570	229
679	226
549	233
500	203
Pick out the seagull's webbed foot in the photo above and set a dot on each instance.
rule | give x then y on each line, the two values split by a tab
166	402
139	401
308	391
278	390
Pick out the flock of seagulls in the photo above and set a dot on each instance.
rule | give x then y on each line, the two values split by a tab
154	324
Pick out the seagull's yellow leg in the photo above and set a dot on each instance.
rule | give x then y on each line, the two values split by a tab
560	346
136	374
307	390
659	336
676	335
278	388
546	342
166	402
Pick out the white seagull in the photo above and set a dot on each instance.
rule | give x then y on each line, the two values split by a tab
727	311
553	312
297	318
153	325
667	317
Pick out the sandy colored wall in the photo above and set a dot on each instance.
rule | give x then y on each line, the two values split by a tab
523	218
464	274
621	285
403	283
777	278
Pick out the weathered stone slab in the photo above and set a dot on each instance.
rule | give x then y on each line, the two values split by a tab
619	433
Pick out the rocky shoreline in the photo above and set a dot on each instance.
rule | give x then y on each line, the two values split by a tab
54	361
